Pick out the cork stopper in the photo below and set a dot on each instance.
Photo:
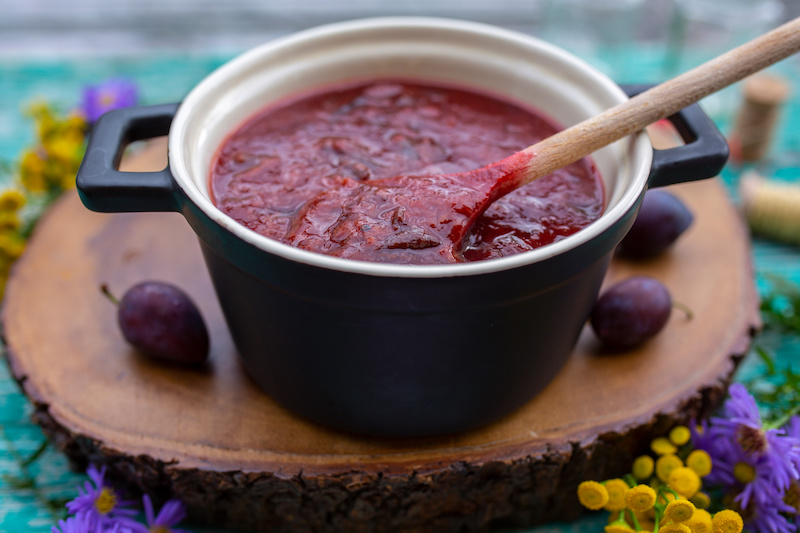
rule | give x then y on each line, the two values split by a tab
765	90
764	96
771	208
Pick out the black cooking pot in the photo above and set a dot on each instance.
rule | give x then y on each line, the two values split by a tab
383	349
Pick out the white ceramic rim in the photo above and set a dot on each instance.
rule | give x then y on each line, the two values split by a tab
219	89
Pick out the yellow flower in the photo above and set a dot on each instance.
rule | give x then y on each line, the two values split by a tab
727	521
616	489
37	108
3	281
700	522
618	527
701	500
9	221
662	446
31	171
684	481
643	467
58	174
12	200
51	166
73	127
64	177
640	498
41	113
592	495
679	510
75	122
666	464
680	435
11	245
106	501
700	462
646	524
744	472
62	148
792	496
674	527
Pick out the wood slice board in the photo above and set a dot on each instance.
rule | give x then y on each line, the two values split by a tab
239	460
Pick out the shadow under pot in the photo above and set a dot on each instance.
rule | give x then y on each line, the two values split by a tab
382	348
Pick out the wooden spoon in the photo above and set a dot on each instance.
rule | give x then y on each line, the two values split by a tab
423	219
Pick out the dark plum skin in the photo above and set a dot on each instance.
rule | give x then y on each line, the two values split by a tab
631	311
161	321
662	218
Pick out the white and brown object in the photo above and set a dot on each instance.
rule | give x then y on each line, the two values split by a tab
772	208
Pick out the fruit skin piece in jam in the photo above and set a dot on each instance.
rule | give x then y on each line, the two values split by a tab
366	215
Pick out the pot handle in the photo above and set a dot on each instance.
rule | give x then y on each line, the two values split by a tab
703	156
105	189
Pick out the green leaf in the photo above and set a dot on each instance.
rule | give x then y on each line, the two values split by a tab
19	482
767	359
36	454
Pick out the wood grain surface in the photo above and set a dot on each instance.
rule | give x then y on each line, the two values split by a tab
239	460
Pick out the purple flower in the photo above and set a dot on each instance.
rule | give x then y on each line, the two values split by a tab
740	408
80	523
114	93
116	527
83	523
752	476
702	437
791	499
768	519
740	428
170	515
100	505
758	466
793	427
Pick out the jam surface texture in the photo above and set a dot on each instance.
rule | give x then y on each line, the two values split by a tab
307	172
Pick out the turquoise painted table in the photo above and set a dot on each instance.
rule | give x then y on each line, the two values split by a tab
24	507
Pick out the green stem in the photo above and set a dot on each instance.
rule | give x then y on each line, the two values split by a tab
105	290
38	453
779	423
26	480
659	510
620	519
684	308
636	526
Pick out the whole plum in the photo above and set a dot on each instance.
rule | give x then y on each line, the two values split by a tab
161	321
631	311
662	218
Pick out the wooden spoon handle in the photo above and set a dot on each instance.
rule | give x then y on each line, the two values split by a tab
660	101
